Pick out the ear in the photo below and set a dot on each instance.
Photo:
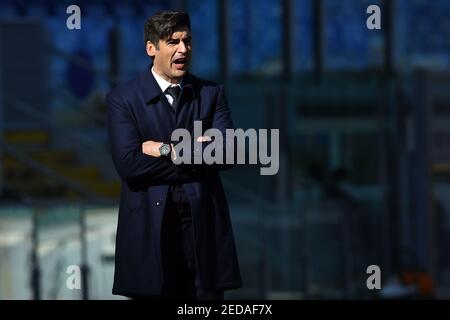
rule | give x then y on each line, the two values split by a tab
151	48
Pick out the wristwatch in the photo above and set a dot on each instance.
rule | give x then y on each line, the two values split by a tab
165	149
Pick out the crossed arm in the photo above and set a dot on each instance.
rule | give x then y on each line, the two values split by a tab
132	164
221	120
152	147
141	161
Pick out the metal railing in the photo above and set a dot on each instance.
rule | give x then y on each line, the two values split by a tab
40	218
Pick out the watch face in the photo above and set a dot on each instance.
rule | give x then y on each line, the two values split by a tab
164	149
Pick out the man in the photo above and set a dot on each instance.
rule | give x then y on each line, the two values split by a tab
174	236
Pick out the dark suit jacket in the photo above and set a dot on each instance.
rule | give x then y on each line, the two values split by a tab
137	112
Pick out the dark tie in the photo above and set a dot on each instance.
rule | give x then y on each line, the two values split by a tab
174	92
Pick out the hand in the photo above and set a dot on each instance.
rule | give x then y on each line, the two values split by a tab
204	139
151	148
173	154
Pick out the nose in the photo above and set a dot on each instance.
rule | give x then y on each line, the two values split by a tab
182	47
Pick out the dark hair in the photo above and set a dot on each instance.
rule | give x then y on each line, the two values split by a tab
163	24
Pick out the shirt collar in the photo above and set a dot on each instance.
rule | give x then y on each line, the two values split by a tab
163	84
152	90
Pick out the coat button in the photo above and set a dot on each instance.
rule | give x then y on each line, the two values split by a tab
159	202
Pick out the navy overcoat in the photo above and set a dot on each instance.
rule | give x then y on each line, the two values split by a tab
138	111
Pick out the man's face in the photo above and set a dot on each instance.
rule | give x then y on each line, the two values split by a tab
172	57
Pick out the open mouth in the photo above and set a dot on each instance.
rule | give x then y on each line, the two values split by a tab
180	63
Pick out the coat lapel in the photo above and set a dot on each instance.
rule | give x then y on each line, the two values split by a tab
158	116
160	113
187	109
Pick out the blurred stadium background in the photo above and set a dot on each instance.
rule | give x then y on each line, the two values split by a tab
364	117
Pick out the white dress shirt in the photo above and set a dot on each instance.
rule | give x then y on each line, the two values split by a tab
163	84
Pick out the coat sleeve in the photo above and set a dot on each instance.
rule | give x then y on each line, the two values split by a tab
126	150
221	121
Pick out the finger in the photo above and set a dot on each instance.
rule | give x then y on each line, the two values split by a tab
203	139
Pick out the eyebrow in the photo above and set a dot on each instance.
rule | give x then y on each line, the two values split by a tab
184	39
